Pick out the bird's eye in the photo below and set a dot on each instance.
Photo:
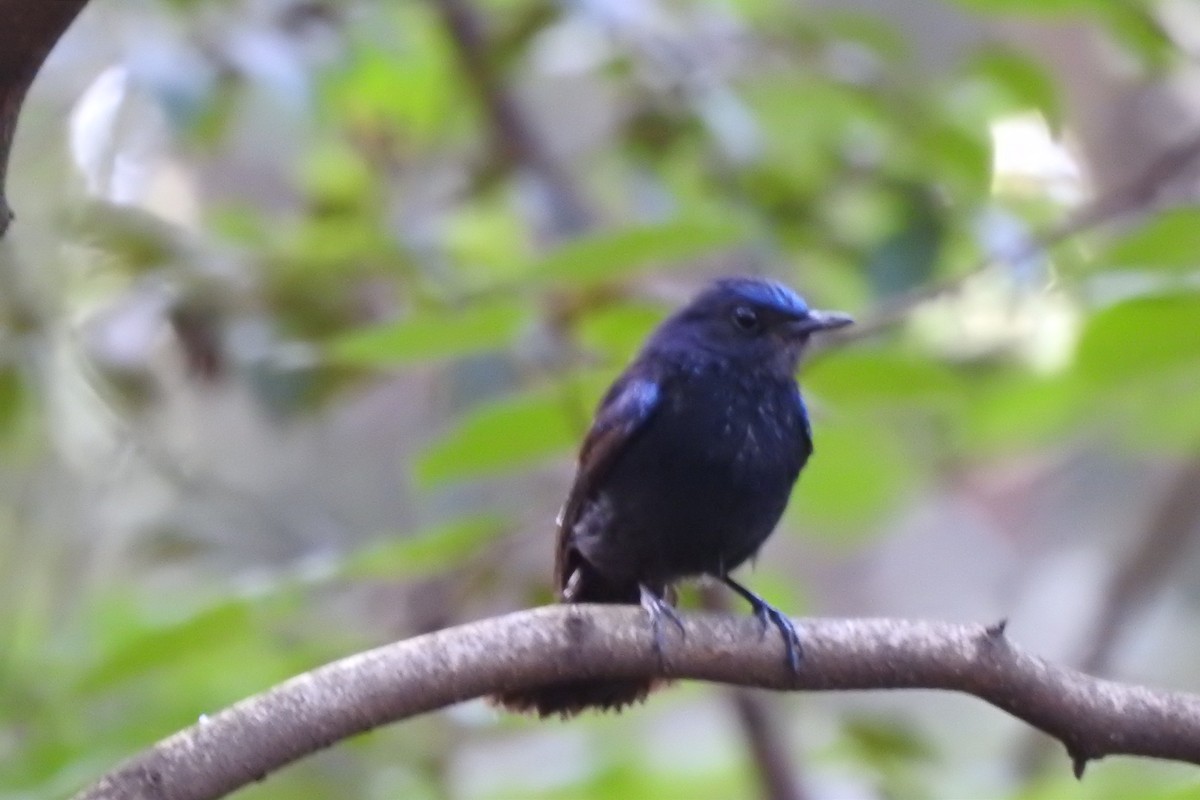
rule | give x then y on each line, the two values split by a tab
745	318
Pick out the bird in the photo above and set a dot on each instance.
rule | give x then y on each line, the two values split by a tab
686	470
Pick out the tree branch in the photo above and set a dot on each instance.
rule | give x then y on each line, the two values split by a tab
517	139
514	135
765	739
245	742
30	29
1136	195
767	745
1169	529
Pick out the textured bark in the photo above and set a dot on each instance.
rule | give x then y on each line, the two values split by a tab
247	741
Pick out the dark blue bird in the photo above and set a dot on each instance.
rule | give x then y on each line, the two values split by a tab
687	467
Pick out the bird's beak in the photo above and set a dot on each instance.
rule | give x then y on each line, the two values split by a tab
815	321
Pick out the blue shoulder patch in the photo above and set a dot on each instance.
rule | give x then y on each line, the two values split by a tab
636	400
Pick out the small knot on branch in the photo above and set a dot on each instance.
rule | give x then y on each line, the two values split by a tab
996	631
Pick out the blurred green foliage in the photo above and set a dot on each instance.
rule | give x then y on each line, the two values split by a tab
827	158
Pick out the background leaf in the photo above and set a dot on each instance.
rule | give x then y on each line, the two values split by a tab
1170	240
430	335
512	433
425	552
608	255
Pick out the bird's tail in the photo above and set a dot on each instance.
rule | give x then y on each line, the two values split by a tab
569	698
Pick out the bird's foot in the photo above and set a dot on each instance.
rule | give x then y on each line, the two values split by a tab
768	615
657	609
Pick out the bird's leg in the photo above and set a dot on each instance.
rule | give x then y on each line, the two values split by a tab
658	608
767	614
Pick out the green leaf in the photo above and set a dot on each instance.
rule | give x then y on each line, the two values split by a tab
12	396
427	552
864	378
431	335
807	123
1019	410
879	742
1025	82
139	240
1133	23
857	473
514	432
487	240
1141	337
1133	357
1169	240
883	39
618	331
625	769
959	152
1138	26
410	88
1111	780
322	249
603	256
336	176
153	647
907	258
1142	421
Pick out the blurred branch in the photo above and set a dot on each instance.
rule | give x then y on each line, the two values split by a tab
245	742
1133	196
515	137
774	768
1168	531
30	29
764	738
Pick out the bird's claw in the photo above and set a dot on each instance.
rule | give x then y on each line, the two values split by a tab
768	615
791	637
657	608
764	619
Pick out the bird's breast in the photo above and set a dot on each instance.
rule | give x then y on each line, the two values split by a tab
738	425
704	483
721	453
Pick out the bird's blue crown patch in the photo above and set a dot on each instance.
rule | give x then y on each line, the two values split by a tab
764	292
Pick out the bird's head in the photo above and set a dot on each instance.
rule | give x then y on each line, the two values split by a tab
752	321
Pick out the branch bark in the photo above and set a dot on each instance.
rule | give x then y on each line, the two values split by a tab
30	29
515	136
244	743
765	739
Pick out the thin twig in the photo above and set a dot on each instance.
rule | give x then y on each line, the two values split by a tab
1168	531
514	135
244	743
1133	196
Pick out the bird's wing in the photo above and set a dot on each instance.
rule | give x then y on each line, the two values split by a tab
623	413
